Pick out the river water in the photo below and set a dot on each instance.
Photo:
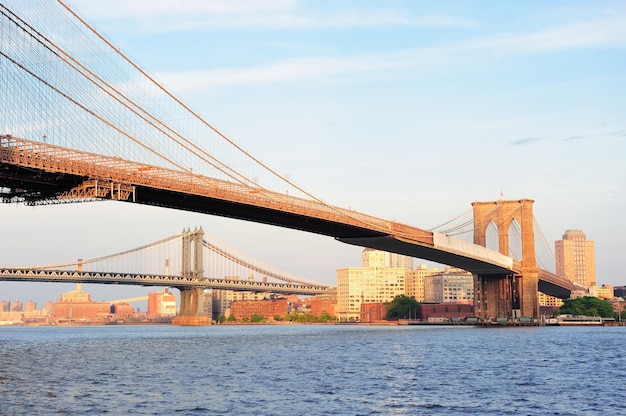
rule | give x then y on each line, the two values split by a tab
313	370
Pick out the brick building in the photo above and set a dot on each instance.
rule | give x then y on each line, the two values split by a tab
319	305
161	303
267	308
446	310
373	312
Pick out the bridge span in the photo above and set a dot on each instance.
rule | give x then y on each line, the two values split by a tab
39	173
82	123
179	282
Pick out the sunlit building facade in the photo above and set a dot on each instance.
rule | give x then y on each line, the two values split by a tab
575	258
221	299
414	281
377	258
449	286
374	282
161	303
547	300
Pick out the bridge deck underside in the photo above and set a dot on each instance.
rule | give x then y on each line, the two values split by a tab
35	185
553	290
225	208
394	245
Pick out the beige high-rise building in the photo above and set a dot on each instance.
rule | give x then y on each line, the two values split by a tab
414	281
378	258
575	258
375	282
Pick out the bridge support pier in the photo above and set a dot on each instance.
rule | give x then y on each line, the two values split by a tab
497	296
507	296
192	311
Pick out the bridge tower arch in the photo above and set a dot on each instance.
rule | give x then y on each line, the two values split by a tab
192	310
510	295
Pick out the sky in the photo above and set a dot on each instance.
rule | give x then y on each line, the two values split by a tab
405	110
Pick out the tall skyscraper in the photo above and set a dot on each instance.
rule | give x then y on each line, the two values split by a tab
575	258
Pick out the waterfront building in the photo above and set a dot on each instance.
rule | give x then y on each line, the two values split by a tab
17	306
122	309
30	306
77	306
452	285
222	299
575	258
373	312
605	292
547	300
452	310
324	302
5	306
161	303
268	308
371	283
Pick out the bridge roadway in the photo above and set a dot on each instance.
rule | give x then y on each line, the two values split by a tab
40	173
65	276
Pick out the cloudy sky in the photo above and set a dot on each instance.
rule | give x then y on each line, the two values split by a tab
406	110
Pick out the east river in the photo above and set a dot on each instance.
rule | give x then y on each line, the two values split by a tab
312	370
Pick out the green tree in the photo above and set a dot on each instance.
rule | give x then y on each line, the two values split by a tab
402	307
257	318
221	319
326	317
231	318
587	305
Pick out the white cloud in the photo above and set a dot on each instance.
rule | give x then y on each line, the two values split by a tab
173	15
606	32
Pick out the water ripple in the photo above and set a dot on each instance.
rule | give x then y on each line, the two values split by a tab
317	370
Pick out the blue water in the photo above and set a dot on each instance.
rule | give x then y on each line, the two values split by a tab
314	370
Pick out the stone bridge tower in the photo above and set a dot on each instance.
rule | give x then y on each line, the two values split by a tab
507	295
192	309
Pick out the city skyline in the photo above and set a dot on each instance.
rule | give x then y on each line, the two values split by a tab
408	112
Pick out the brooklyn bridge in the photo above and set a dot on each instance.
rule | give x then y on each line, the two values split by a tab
81	122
